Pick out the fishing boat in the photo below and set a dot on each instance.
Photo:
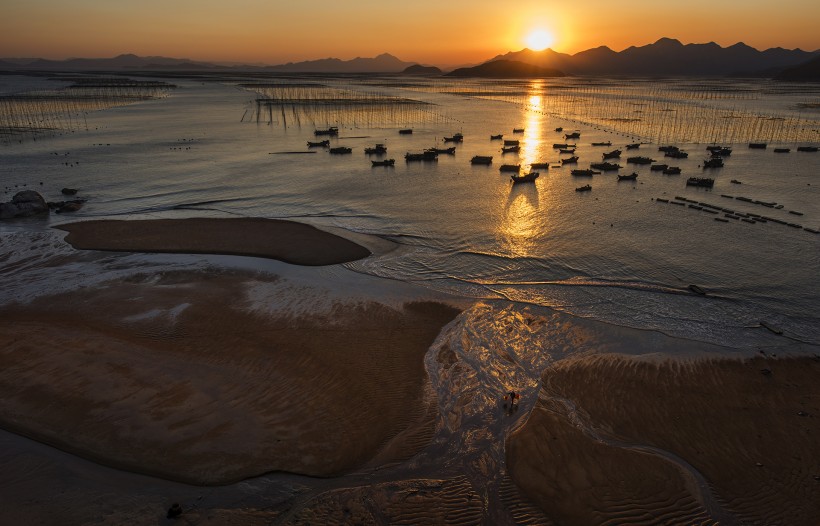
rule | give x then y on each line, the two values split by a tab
378	149
424	156
807	148
667	149
341	149
614	154
584	173
406	131
757	145
319	144
446	151
333	130
633	146
540	166
570	160
560	145
559	129
721	152
525	178
510	149
714	147
640	160
607	143
703	182
573	135
385	162
458	137
672	170
569	151
782	150
497	137
606	167
511	142
585	188
482	159
714	162
631	177
518	130
658	167
677	154
510	168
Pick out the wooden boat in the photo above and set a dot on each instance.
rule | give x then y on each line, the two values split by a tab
735	181
606	167
614	154
672	170
510	168
658	167
573	135
559	129
447	151
570	160
584	173
640	160
807	148
782	150
607	143
721	152
757	145
406	131
386	162
525	178
677	154
631	177
714	162
455	138
714	147
518	130
497	137
703	182
482	159
510	149
319	144
341	149
333	130
667	149
567	150
633	146
560	145
585	188
378	149
540	166
424	156
511	142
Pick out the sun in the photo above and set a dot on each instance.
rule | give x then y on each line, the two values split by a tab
539	40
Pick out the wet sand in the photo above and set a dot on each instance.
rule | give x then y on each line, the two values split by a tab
287	241
174	375
622	440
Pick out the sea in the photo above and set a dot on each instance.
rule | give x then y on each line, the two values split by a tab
644	266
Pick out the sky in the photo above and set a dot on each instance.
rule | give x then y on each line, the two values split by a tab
451	32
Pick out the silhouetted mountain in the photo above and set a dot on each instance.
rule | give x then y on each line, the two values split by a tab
506	69
121	62
808	71
418	69
664	57
384	63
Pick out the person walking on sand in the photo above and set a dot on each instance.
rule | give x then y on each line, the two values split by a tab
513	397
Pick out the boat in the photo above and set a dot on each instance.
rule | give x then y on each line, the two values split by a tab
333	130
406	131
559	129
672	170
697	290
714	147
677	154
757	145
319	144
585	173
573	135
482	159
540	166
424	156
703	182
585	188
807	148
658	167
510	149
631	177
714	162
341	149
667	149
497	137
570	160
606	167
385	162
446	151
526	178
633	146
640	160
607	143
378	149
569	151
518	130
735	181
511	142
455	138
782	150
614	154
560	145
721	152
510	168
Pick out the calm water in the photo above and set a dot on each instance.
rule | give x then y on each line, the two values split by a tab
612	254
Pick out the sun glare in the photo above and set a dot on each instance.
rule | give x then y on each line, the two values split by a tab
539	40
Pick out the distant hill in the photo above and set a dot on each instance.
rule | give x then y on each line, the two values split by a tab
664	57
118	63
384	63
418	69
506	69
808	71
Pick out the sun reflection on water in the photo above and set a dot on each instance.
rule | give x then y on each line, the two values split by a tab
521	222
533	130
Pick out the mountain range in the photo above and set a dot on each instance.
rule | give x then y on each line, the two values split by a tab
664	57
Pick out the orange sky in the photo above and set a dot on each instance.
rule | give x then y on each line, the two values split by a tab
443	33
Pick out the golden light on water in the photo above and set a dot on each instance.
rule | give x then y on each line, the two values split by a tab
520	224
533	130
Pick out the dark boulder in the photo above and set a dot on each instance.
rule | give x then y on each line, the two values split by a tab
24	204
69	191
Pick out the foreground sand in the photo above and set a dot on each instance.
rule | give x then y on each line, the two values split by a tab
595	448
287	241
174	376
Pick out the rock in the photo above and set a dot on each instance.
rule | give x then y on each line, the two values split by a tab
24	204
69	206
174	511
69	191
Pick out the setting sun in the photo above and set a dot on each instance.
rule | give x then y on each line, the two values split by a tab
539	40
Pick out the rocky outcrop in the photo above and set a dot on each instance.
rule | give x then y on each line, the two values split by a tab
24	204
